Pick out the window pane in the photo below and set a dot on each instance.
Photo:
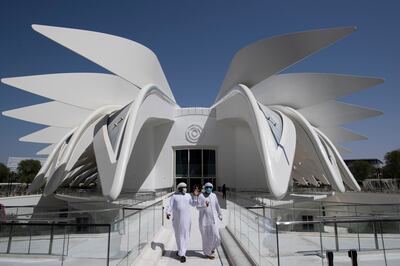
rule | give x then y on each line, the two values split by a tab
181	163
195	163
208	163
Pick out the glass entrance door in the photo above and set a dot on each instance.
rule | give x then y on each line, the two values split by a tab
195	166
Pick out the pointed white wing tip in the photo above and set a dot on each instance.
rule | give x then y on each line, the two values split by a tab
10	81
38	27
346	30
6	80
351	29
43	28
374	80
5	113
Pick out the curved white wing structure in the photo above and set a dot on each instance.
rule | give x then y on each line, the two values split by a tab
274	134
142	111
46	151
264	58
65	88
48	135
123	131
67	115
340	134
333	113
301	90
125	58
307	99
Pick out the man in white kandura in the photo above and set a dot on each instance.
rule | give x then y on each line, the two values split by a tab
210	212
179	207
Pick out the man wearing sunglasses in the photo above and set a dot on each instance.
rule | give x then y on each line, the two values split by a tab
209	213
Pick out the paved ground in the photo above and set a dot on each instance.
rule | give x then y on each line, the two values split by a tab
194	255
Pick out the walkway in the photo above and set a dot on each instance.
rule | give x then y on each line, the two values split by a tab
194	255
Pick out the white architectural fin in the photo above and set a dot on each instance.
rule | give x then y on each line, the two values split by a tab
333	113
300	90
49	166
315	145
86	90
47	135
125	58
347	176
46	151
276	144
342	149
50	113
78	143
267	57
340	135
151	106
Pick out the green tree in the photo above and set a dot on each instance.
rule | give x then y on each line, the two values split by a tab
362	170
4	173
392	164
27	170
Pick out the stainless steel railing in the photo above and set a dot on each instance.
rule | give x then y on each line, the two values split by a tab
120	241
271	239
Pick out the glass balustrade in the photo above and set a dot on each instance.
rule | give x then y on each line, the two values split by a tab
116	243
303	233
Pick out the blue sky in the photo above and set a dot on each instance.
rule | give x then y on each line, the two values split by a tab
195	41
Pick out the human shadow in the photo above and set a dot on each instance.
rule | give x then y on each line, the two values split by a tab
190	253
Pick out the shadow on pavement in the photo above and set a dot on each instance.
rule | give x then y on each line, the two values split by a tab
190	253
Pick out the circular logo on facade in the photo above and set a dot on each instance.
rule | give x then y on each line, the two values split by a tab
193	133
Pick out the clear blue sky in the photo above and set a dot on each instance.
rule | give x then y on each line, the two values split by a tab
195	41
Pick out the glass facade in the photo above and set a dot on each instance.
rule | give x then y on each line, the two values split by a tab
195	166
209	163
195	163
181	163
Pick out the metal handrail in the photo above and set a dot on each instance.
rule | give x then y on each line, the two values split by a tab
372	223
135	209
55	224
65	223
69	212
319	209
353	220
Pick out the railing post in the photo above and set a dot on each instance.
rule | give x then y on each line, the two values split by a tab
51	238
63	249
259	241
321	228
154	221
277	242
68	241
358	230
139	231
336	237
10	237
375	235
329	256
30	240
234	217
162	216
383	243
109	243
248	230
